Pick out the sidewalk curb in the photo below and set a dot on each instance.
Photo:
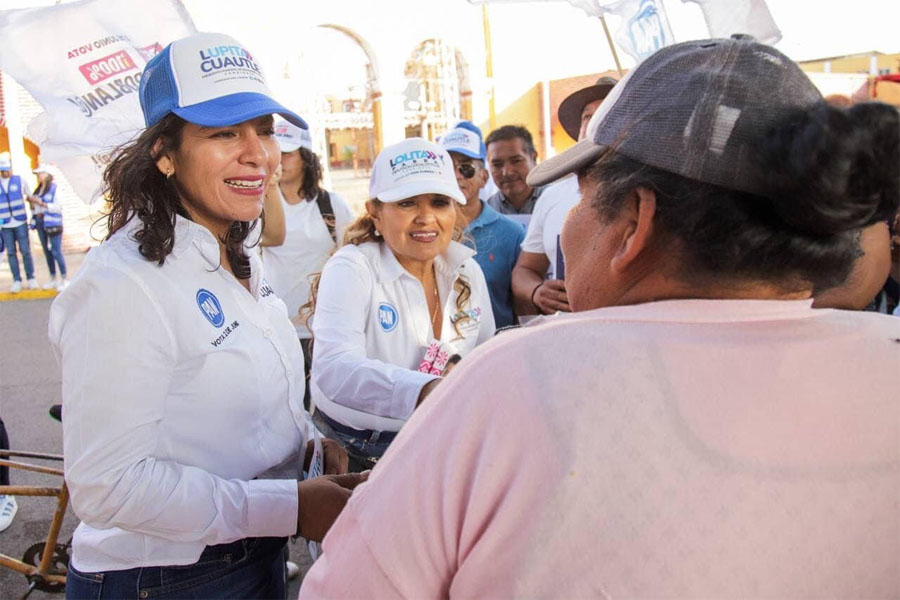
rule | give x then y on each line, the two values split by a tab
28	295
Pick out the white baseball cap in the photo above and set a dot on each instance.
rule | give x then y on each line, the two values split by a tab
290	137
412	167
5	162
463	141
41	168
208	79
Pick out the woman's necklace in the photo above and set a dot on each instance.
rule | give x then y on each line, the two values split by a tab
437	303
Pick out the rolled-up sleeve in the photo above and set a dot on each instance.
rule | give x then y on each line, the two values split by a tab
118	356
342	370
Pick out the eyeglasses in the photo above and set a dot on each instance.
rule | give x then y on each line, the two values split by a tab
467	170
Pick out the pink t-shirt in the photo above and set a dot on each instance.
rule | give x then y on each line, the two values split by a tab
699	448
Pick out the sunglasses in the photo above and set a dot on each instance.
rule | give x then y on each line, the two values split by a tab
467	170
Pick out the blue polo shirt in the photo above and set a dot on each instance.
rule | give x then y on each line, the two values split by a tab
497	244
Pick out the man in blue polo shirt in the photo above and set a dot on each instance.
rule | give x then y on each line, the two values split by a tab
497	240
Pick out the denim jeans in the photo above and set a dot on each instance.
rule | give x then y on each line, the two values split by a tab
52	245
248	568
11	237
363	448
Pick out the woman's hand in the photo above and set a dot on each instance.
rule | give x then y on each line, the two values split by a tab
550	296
321	500
336	461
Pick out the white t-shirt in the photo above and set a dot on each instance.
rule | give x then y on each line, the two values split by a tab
548	218
372	329
184	403
307	245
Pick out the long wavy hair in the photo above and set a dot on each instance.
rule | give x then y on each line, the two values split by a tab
312	174
136	188
363	230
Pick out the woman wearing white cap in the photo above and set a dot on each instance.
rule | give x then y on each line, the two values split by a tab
396	301
184	429
315	220
49	224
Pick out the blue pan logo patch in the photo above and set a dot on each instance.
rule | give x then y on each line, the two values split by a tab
387	316
210	307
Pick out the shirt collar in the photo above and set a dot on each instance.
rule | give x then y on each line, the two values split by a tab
527	206
447	263
487	216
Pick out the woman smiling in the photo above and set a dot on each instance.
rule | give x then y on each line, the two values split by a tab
183	379
396	301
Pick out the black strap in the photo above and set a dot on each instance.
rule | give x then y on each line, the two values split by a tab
323	201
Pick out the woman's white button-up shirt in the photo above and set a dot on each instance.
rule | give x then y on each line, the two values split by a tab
371	329
181	391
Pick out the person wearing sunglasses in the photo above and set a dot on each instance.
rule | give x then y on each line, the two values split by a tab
495	239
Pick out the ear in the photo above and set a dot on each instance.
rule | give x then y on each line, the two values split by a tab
164	163
637	231
374	213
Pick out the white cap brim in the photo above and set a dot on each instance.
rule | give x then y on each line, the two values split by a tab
416	188
288	146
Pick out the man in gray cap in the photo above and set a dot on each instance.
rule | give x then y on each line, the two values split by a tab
537	279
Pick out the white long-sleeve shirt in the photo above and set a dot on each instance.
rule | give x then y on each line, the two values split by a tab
371	329
180	388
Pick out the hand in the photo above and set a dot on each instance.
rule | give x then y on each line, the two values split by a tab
427	389
551	297
335	461
321	500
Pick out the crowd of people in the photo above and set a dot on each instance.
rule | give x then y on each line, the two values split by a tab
702	403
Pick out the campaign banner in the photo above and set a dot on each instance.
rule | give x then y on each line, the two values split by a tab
727	17
82	61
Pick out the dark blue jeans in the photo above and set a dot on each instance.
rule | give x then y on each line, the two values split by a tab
248	568
11	237
364	448
52	245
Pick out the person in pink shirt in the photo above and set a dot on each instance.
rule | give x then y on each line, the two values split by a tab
694	429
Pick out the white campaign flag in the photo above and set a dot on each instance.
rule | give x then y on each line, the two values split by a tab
727	17
644	28
82	61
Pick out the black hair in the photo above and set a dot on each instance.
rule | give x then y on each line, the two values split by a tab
312	174
830	172
511	132
135	187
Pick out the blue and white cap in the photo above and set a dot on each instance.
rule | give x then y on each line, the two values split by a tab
208	79
290	137
412	167
463	141
5	162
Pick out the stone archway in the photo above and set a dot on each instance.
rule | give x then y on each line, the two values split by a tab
373	85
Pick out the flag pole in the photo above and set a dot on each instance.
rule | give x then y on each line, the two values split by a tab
489	65
612	46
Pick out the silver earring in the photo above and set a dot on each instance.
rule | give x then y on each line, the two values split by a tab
377	233
169	174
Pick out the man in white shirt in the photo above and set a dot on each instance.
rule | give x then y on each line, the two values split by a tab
537	278
15	193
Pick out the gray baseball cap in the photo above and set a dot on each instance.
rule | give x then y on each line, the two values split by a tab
696	109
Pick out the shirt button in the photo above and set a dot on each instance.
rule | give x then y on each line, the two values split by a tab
143	594
290	372
267	333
